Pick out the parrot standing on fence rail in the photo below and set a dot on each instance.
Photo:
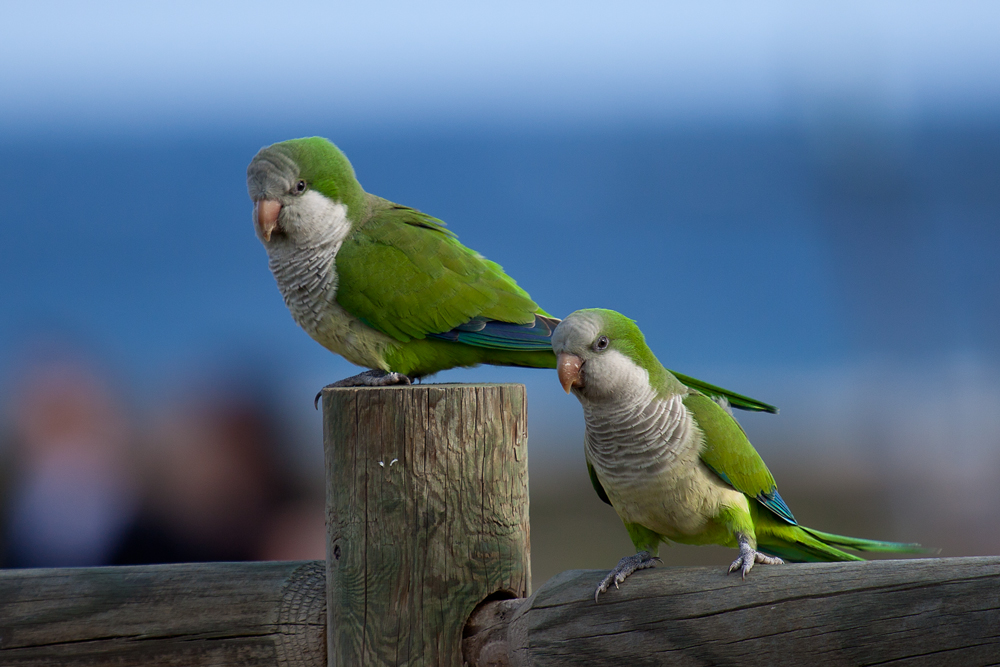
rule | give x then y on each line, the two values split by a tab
386	286
674	463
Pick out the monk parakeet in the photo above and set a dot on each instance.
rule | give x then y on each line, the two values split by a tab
386	286
674	463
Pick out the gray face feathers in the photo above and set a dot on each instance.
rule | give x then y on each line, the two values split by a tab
590	361
612	357
271	175
577	333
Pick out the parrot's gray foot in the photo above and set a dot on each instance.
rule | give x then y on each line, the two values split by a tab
626	566
372	378
749	556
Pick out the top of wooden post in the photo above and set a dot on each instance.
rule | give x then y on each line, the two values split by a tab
429	385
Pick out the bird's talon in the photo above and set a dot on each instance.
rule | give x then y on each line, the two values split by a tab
625	567
372	378
748	556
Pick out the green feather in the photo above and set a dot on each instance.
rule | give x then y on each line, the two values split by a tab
601	493
729	454
643	538
422	357
407	277
860	544
327	170
805	545
738	401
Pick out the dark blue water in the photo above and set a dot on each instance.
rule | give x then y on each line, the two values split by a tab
753	245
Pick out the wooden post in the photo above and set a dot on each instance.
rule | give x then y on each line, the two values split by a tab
427	516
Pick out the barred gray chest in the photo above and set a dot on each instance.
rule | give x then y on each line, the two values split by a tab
307	279
630	443
303	257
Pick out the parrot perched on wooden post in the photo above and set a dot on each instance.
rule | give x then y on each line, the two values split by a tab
673	463
386	286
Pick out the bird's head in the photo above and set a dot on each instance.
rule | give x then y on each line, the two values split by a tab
292	181
601	354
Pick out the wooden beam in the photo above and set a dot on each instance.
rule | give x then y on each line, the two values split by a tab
907	613
926	612
252	614
427	515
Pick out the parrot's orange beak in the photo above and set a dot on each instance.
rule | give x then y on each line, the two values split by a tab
568	366
265	215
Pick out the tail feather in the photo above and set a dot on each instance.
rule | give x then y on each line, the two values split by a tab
859	544
738	401
804	545
806	553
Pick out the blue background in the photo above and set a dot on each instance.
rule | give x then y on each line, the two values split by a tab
799	203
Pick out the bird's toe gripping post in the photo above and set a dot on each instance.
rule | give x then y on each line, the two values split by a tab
372	378
749	556
625	567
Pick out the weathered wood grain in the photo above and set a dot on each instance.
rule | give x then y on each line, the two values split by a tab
427	511
198	614
926	612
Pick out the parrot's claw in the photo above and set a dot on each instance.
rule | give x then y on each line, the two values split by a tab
626	566
749	556
372	378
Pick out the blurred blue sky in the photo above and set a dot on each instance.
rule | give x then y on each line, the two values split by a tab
797	201
179	66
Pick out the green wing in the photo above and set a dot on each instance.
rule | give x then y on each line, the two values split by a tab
729	454
738	401
403	273
601	493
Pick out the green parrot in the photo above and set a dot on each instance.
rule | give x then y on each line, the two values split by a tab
672	461
386	286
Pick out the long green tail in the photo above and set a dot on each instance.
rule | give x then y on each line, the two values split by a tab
805	545
738	401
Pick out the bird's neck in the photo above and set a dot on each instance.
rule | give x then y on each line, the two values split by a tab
304	263
638	434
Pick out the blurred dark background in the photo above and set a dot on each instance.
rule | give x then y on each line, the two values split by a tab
801	204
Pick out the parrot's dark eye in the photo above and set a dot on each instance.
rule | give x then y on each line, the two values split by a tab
601	343
300	187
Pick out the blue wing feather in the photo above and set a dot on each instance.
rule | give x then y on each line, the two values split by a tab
496	335
772	500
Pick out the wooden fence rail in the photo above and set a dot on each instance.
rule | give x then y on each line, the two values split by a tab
926	612
428	565
942	611
252	614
